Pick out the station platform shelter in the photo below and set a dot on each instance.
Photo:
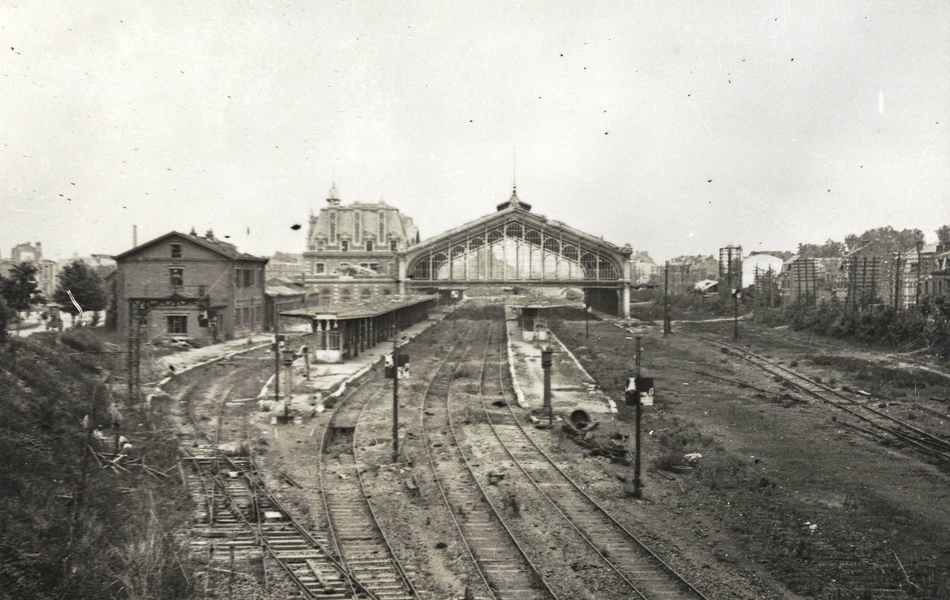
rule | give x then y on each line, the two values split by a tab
533	318
349	329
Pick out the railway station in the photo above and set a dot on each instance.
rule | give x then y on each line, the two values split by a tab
363	252
516	247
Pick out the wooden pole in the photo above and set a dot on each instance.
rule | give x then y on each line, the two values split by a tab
395	401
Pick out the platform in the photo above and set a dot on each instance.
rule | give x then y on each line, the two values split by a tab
572	387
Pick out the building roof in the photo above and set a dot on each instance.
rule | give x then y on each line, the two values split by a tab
280	290
207	241
359	310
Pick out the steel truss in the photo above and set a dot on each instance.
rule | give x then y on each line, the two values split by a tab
516	251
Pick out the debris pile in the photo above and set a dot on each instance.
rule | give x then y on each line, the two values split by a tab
613	447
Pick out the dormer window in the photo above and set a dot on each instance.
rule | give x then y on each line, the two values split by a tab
369	245
176	250
345	246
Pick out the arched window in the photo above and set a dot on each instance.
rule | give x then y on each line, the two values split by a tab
570	252
589	264
533	237
514	230
552	245
366	293
346	294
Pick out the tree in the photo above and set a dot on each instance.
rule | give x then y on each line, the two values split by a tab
943	234
830	249
887	238
85	285
5	315
20	289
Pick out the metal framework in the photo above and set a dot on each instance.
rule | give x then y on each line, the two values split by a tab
516	249
138	311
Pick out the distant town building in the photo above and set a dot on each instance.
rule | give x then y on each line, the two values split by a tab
227	287
351	250
643	269
286	266
46	270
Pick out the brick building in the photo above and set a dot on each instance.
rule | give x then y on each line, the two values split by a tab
227	287
352	250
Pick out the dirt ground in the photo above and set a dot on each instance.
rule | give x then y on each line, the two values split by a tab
788	500
786	492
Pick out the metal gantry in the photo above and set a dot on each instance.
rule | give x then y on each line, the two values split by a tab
138	313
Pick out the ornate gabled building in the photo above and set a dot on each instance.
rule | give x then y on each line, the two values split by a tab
351	249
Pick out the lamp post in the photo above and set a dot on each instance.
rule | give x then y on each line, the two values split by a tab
920	246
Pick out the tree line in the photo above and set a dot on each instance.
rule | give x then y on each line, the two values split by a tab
20	292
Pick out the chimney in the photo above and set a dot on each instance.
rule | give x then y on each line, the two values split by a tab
209	234
135	236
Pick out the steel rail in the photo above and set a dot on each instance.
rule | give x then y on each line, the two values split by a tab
359	474
930	444
333	526
534	483
258	487
438	482
664	565
471	471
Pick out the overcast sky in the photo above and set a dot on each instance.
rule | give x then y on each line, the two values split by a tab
675	126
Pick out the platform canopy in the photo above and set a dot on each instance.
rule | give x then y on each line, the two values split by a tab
515	245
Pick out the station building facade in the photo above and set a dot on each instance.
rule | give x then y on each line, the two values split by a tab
352	251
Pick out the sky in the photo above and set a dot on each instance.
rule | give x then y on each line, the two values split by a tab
678	127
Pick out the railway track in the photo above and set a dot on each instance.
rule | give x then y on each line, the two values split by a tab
925	442
354	528
238	510
642	572
501	562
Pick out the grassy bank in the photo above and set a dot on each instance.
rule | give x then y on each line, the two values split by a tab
71	526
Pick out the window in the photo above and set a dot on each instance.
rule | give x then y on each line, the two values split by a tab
393	245
387	291
248	278
319	268
345	246
374	267
346	294
202	291
369	245
366	293
332	227
321	246
326	296
177	324
176	250
177	276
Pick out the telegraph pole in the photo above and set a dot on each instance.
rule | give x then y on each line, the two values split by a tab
897	283
666	299
395	401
